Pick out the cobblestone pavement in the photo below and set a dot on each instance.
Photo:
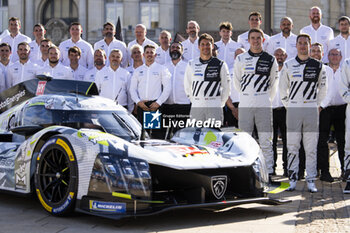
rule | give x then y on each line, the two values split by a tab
326	211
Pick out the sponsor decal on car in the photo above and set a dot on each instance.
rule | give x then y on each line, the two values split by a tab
40	88
218	186
12	99
64	205
116	207
66	148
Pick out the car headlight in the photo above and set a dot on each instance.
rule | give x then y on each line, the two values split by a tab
260	169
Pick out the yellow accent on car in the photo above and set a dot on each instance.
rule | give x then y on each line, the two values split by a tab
66	147
29	153
32	142
281	188
121	195
209	137
46	206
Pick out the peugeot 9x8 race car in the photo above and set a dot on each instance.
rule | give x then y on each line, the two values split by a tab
78	151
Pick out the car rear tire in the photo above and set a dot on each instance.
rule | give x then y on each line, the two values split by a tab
56	176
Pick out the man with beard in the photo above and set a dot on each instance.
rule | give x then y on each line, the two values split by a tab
163	56
190	45
317	31
109	42
332	113
286	39
255	21
207	83
140	39
45	44
150	86
342	41
79	71
226	46
302	86
23	69
344	91
99	61
255	75
39	34
113	81
55	69
87	57
177	107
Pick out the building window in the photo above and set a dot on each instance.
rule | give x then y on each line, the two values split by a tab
66	10
114	9
4	14
150	13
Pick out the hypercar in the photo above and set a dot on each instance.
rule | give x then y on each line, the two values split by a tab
77	151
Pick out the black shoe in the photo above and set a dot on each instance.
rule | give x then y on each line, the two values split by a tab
347	188
326	176
285	173
301	176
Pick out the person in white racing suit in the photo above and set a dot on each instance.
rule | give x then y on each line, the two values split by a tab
207	83
255	75
344	90
302	86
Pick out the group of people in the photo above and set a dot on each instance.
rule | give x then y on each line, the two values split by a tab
269	86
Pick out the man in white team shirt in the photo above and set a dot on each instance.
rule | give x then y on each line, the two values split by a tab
150	84
136	53
317	31
23	69
286	39
99	61
87	57
5	52
140	38
39	34
45	44
226	46
113	81
109	42
55	69
162	51
255	21
15	37
74	54
190	45
342	41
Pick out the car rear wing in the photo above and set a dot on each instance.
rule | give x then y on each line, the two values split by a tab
41	86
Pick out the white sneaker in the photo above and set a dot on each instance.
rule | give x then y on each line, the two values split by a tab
347	188
292	185
311	186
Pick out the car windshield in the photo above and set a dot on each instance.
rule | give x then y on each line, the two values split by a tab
119	123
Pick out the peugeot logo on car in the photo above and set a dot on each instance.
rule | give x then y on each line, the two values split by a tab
218	186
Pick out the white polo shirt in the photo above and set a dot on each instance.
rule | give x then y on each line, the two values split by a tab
333	97
191	50
322	35
18	72
35	53
226	52
13	42
150	83
145	42
79	73
58	72
243	40
279	41
234	93
342	44
90	75
87	53
163	56
115	44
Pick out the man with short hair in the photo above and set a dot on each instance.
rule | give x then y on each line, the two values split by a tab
15	37
79	71
344	91
286	39
162	51
150	84
45	44
141	39
55	68
5	53
342	41
109	43
332	113
136	53
39	34
113	81
177	106
302	86
87	57
255	21
317	31
99	61
207	83
190	45
23	69
226	46
255	76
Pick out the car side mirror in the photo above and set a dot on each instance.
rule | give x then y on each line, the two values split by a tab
27	130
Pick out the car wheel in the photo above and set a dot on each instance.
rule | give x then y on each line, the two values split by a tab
56	176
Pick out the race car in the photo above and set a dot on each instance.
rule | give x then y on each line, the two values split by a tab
78	151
